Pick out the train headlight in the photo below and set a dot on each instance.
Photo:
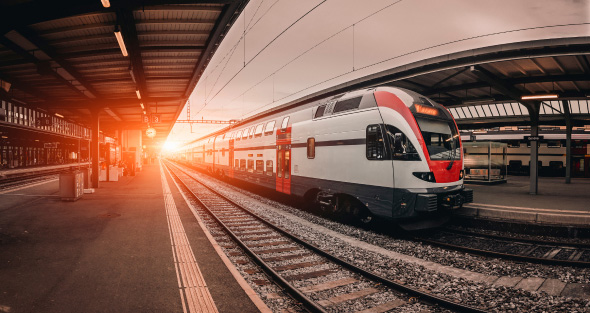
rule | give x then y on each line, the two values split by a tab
461	174
426	176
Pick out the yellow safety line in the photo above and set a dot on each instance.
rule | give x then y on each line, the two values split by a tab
194	294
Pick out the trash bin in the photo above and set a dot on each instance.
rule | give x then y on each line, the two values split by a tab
71	185
87	172
113	173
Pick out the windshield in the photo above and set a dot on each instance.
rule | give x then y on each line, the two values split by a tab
441	139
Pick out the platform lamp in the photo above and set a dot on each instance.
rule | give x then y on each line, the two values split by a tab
120	40
5	85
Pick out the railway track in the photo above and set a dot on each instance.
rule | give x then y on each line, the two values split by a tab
518	249
295	264
8	183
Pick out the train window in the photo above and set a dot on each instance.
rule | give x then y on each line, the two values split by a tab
285	123
259	166
242	164
375	144
237	163
554	144
287	167
269	167
320	111
245	134
270	128
250	166
400	146
346	105
258	131
310	148
513	144
252	131
280	164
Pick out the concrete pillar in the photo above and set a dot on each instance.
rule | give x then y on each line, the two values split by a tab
95	146
534	167
568	141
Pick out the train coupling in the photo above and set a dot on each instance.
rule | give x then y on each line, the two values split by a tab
456	201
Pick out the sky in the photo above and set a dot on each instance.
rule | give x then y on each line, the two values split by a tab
278	51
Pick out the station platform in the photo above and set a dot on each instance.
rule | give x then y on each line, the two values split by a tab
119	249
556	203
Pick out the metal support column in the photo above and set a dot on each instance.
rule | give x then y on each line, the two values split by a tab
568	141
95	146
534	163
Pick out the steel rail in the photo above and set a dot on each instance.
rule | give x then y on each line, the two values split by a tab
518	239
504	255
385	281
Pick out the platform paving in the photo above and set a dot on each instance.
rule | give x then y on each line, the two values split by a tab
556	203
107	252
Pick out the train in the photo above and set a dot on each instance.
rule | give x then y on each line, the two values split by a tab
382	152
552	150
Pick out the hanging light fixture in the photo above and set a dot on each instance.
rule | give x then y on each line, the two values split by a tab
120	40
106	3
539	96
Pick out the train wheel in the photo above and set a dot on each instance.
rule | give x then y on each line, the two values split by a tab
355	210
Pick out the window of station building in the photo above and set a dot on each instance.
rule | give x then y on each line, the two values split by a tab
320	111
242	164
346	105
252	131
222	152
251	166
270	128
259	166
239	135
269	167
285	123
258	131
236	163
310	148
245	135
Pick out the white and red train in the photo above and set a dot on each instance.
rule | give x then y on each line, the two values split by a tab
386	152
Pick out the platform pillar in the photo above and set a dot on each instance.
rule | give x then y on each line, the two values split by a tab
568	141
534	164
95	146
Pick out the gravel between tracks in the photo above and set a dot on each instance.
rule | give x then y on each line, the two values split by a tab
483	295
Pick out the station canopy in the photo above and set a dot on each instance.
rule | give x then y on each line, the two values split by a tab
493	86
65	57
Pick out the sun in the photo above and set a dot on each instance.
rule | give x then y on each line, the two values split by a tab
169	146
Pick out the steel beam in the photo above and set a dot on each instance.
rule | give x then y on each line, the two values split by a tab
129	31
55	56
95	113
568	141
534	167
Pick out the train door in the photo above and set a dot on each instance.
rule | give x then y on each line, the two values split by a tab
283	177
580	166
230	170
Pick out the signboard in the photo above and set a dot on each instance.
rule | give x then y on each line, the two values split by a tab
150	132
533	138
156	118
145	119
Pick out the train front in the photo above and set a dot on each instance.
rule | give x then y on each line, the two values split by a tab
425	147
